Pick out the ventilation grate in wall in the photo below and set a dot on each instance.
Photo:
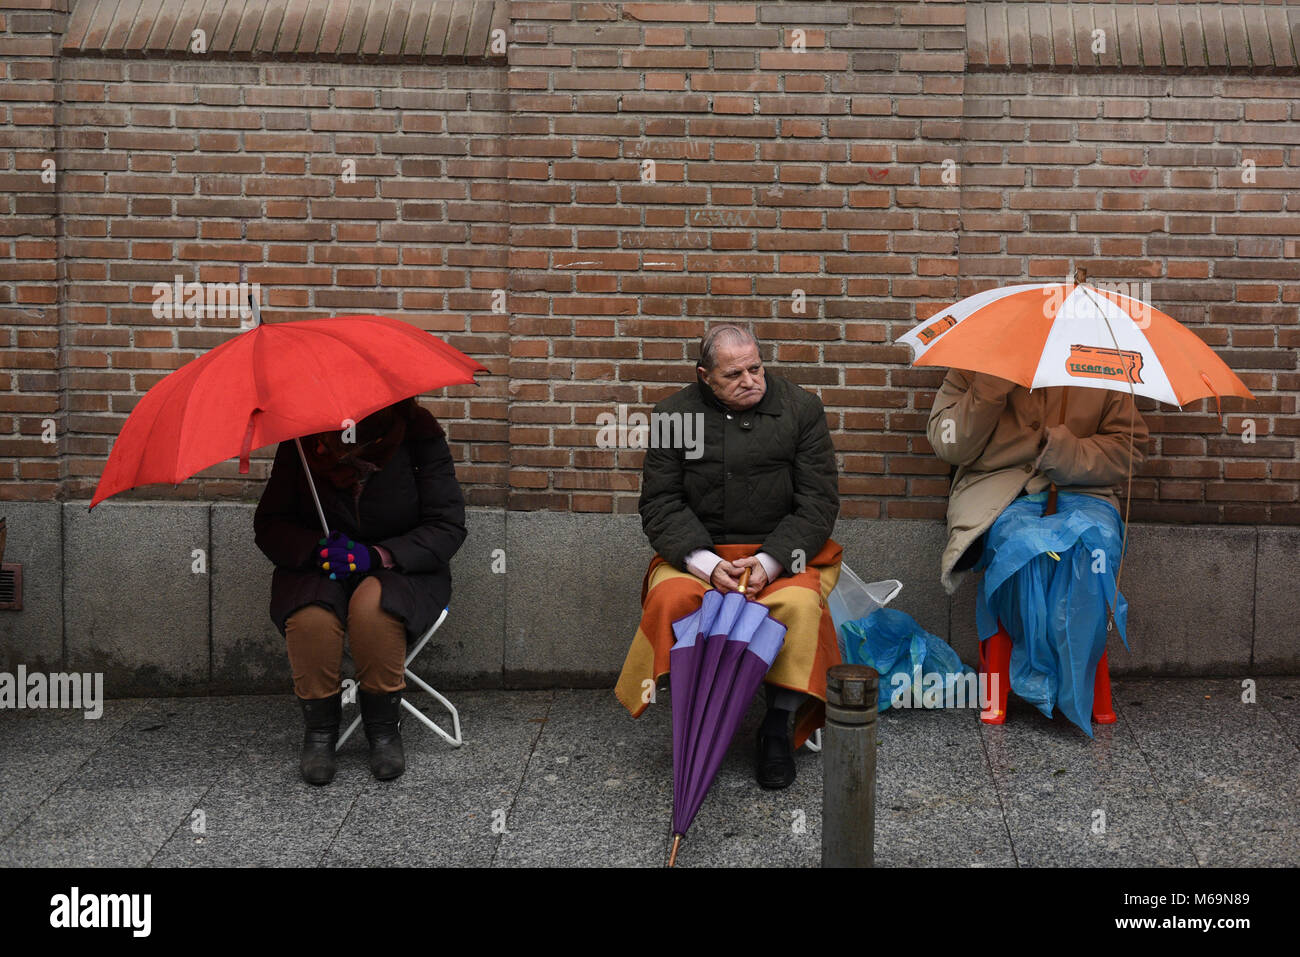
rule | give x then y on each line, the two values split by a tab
11	587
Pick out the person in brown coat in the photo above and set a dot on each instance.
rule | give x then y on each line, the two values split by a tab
397	516
1006	441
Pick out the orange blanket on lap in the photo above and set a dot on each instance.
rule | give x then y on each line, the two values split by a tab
798	601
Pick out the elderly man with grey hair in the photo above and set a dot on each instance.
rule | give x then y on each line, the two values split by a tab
760	493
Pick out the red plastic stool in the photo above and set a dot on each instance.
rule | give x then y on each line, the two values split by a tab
995	669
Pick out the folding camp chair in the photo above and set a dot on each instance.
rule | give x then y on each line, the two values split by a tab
453	739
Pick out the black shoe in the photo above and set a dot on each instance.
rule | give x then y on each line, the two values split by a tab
774	761
381	713
321	717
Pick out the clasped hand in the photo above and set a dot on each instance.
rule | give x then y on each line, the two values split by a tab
726	576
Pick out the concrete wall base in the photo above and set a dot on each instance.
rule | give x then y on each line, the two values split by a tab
171	598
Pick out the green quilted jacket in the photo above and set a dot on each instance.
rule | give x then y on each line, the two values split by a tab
766	475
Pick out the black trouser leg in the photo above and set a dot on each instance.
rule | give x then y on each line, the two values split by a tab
774	754
782	703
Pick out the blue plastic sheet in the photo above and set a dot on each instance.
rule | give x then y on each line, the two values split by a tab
905	656
1055	611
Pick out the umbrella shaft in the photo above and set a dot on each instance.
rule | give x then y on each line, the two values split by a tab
312	485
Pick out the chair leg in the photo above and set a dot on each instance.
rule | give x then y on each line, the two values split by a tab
356	723
1103	709
454	739
995	669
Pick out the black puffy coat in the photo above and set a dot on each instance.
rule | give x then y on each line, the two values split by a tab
767	475
413	507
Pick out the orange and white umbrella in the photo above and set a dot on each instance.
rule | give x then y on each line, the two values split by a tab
1066	334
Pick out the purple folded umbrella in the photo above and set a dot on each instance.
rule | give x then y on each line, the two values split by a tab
722	652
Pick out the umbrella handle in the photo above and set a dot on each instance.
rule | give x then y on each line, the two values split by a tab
744	580
312	485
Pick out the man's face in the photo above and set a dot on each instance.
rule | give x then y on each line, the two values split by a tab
737	375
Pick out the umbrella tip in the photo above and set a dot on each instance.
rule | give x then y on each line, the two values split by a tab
1080	276
672	857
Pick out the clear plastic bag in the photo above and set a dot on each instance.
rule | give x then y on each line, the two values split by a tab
853	599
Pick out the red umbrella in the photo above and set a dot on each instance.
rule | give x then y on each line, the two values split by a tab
273	383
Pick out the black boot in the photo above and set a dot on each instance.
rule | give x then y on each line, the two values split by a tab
774	751
321	716
381	713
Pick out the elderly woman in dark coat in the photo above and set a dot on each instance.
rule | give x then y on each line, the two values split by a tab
397	516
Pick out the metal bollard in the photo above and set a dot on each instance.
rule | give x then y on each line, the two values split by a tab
849	767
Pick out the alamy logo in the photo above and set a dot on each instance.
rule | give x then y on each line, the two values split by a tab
658	430
102	910
936	689
76	691
197	300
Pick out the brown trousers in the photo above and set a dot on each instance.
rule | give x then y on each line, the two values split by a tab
314	635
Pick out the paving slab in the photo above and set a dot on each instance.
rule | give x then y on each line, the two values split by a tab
936	804
258	811
1191	775
39	750
1281	696
1071	801
177	742
1227	768
130	794
452	805
599	793
119	826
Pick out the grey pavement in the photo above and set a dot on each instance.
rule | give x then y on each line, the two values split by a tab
1190	776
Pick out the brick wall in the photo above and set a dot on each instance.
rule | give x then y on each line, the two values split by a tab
776	170
221	169
30	279
1143	179
630	172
